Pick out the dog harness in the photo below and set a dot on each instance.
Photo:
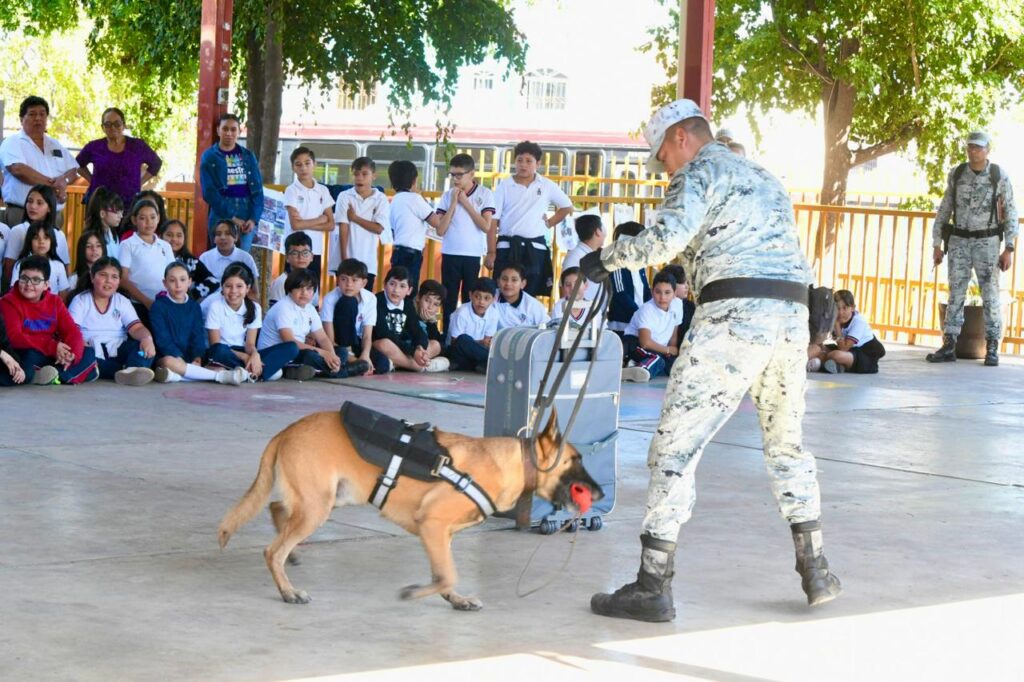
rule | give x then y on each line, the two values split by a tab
403	449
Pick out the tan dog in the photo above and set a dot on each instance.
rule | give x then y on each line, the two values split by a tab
317	469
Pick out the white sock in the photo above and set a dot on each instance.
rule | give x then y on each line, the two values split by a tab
172	377
197	373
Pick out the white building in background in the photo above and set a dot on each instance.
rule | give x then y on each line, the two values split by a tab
585	91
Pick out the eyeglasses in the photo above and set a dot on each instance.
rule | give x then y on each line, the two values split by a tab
116	125
31	281
305	253
458	176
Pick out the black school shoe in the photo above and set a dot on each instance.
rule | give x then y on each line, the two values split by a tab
352	369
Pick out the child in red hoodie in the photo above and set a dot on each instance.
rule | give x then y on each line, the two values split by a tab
47	340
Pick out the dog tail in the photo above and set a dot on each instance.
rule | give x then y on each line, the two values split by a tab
254	498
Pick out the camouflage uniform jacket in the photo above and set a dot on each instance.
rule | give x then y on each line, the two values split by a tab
728	216
973	197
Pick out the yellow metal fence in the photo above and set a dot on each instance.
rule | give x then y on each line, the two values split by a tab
884	256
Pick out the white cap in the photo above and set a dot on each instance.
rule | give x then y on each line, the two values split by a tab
663	119
979	138
724	134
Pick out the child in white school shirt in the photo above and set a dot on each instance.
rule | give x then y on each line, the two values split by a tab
362	214
473	326
515	307
651	340
225	252
310	206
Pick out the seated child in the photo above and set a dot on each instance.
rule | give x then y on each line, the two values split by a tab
11	372
145	258
233	322
48	343
177	324
204	283
123	346
856	347
683	294
90	248
629	287
298	254
473	325
514	306
41	240
651	341
410	214
566	283
349	314
590	232
294	319
40	207
429	300
224	252
103	215
398	335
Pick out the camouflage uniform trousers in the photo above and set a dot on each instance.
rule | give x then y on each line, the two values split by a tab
981	255
733	346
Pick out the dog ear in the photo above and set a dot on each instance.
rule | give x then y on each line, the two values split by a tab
551	433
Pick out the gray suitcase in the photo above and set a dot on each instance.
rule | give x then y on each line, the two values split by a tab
518	359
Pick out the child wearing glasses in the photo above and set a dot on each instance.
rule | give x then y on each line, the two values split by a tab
468	233
298	255
48	343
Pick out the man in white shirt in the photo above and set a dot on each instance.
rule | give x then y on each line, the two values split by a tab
361	214
522	204
31	157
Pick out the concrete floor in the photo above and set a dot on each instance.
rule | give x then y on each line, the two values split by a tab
110	498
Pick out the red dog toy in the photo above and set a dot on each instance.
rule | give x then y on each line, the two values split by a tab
580	495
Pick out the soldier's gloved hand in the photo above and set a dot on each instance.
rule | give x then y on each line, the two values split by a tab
592	267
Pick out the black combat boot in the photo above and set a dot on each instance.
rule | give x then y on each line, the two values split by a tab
948	351
992	352
820	584
650	597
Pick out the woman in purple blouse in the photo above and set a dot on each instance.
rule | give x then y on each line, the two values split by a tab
119	163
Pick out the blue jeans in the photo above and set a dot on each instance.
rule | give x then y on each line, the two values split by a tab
274	358
82	371
411	260
468	354
127	356
239	208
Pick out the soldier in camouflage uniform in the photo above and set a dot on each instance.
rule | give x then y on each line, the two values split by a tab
979	199
733	224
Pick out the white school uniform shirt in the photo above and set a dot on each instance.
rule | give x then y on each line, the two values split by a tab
52	160
463	237
310	202
572	260
661	323
362	244
16	242
216	262
522	208
465	321
146	262
277	292
286	314
366	317
858	330
408	214
529	312
58	276
103	331
230	323
5	232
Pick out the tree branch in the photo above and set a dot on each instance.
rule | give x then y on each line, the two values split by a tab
865	154
789	44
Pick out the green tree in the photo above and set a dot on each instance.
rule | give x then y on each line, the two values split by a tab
415	46
881	73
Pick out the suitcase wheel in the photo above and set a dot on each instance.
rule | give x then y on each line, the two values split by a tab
548	527
596	523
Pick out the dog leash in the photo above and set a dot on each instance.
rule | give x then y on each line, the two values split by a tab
561	569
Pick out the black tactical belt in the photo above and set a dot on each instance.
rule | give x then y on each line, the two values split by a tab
977	234
753	287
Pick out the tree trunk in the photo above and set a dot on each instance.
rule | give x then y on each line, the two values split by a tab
837	108
254	87
273	89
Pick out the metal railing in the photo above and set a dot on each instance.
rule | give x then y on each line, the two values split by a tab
884	256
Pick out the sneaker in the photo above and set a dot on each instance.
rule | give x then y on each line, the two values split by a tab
353	369
232	377
438	364
134	376
636	374
299	372
814	364
275	376
389	366
46	376
833	367
162	375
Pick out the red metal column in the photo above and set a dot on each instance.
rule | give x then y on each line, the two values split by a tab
214	74
697	41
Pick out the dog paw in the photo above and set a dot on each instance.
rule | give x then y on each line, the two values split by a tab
460	603
408	592
296	597
293	559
